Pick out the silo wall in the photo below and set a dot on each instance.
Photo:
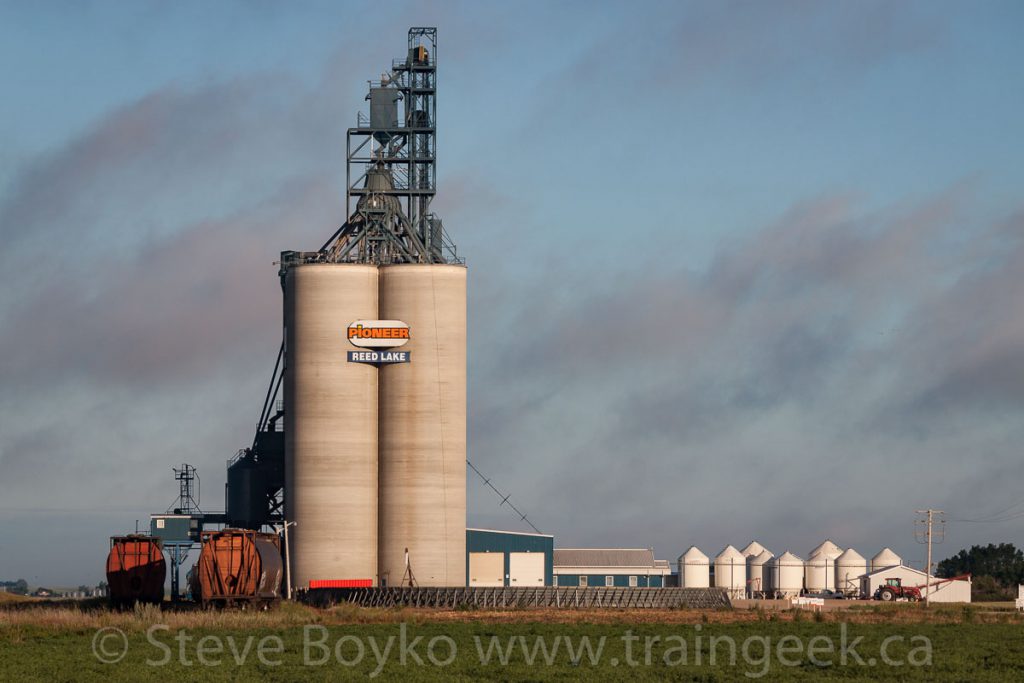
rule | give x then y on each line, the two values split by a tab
422	428
331	430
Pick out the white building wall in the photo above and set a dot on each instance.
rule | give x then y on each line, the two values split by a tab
950	591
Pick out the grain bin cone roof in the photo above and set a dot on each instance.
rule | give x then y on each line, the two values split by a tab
787	557
885	558
763	557
850	556
753	549
729	553
693	555
829	548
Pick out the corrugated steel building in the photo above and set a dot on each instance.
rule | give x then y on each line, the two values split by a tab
174	527
949	591
609	567
508	558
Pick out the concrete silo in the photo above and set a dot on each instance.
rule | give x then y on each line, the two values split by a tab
850	566
422	451
330	424
694	569
375	360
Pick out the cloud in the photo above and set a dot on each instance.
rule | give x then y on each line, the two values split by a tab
831	349
141	311
201	297
144	243
829	369
712	47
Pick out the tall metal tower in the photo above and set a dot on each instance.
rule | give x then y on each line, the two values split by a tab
391	168
188	481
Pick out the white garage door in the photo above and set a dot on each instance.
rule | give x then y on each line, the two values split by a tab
487	569
526	569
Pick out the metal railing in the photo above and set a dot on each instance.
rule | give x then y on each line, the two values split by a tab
504	598
403	64
363	123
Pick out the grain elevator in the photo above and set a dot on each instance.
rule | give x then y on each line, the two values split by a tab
373	364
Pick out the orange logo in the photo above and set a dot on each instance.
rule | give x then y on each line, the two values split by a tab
378	334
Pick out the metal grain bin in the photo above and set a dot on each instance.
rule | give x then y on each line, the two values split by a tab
819	572
827	546
786	575
135	570
694	569
753	549
758	576
885	558
247	497
731	571
239	566
850	566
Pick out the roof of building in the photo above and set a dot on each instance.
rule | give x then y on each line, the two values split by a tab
515	533
901	567
604	557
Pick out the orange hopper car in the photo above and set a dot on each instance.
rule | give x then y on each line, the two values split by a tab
135	570
237	567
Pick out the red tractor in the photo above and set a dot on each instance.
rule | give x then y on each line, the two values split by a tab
894	590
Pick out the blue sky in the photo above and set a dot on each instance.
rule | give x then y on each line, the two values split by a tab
771	255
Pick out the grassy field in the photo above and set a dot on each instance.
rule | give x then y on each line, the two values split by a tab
47	642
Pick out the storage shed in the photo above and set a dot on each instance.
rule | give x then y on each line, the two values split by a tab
610	568
948	591
508	558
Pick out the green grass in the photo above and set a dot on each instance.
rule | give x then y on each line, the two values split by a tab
57	646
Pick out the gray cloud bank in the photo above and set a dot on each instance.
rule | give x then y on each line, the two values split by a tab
829	371
827	374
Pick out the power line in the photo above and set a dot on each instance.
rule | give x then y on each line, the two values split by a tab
504	498
998	516
998	520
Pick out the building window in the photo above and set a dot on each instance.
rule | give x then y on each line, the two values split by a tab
632	582
583	582
609	581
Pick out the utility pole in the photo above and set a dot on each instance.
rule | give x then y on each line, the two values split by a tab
925	532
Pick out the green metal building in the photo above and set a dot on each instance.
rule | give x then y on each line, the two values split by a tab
610	568
509	558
